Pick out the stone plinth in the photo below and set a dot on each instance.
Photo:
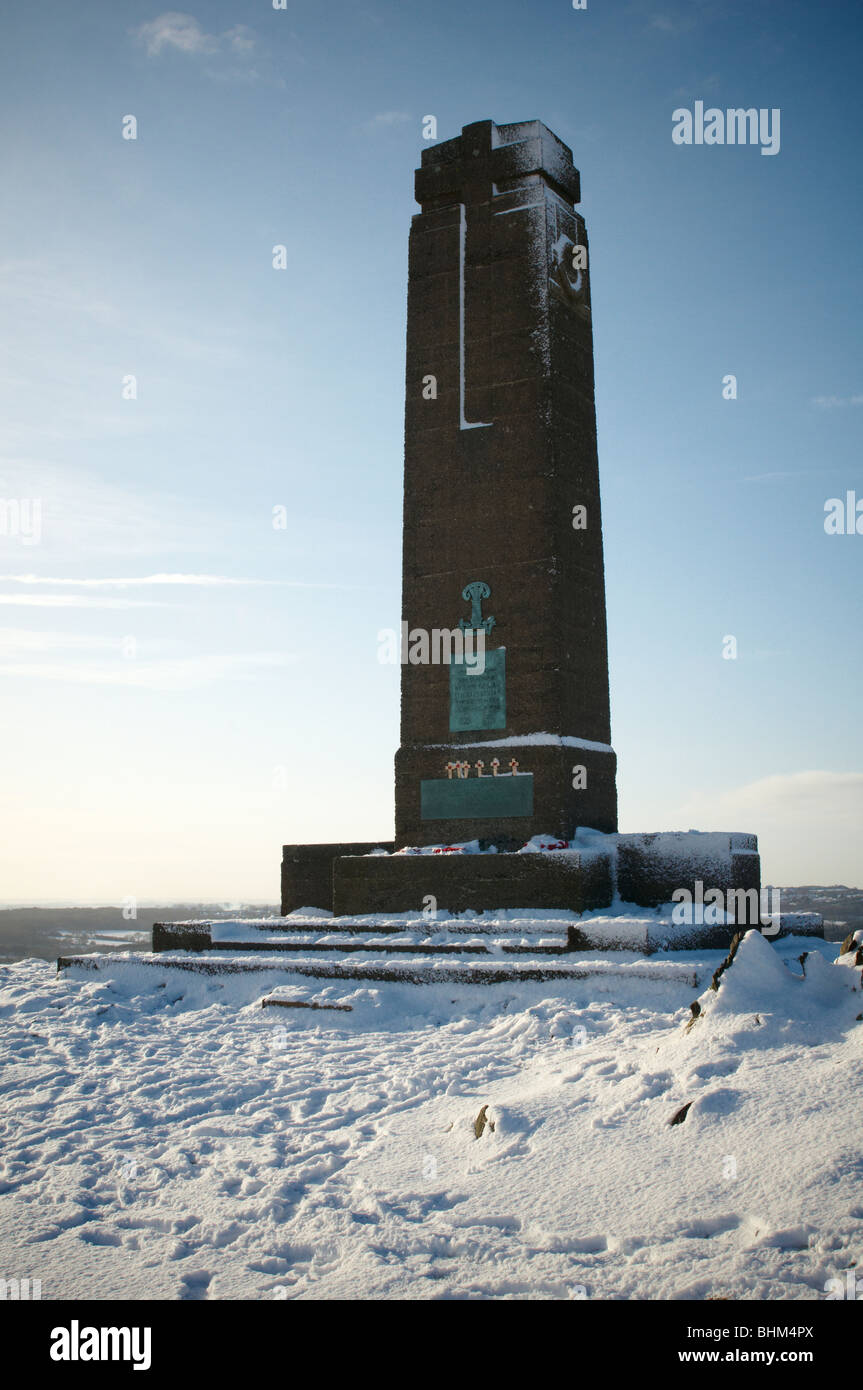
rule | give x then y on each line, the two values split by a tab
651	866
307	872
478	882
556	806
647	870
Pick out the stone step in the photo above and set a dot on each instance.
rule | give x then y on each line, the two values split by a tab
375	946
247	934
454	926
540	934
650	935
417	971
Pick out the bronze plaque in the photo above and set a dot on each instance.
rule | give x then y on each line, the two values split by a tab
477	700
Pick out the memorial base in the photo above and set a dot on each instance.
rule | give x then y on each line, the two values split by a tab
471	882
554	786
648	870
307	872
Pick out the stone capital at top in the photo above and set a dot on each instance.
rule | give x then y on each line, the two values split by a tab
488	159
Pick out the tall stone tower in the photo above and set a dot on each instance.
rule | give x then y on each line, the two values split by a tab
503	571
502	526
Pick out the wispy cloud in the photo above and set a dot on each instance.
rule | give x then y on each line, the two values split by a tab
667	23
384	119
779	473
183	32
831	402
808	823
38	291
200	580
17	640
97	522
240	39
86	515
700	85
671	19
40	284
788	796
184	673
74	601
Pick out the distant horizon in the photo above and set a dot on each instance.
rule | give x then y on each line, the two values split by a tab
48	903
149	903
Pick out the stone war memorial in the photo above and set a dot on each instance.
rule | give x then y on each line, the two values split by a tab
506	826
503	560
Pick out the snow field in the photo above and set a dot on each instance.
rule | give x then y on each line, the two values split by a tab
172	1139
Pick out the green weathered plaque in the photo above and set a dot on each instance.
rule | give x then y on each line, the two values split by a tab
476	798
477	700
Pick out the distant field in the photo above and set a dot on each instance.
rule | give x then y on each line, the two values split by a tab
48	932
841	908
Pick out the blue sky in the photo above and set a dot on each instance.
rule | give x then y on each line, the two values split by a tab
164	739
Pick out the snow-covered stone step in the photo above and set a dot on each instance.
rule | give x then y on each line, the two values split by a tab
401	946
418	970
241	934
651	934
470	923
511	932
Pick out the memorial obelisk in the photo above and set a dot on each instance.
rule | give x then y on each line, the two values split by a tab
502	524
505	725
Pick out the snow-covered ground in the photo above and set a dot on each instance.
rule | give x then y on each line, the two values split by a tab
182	1142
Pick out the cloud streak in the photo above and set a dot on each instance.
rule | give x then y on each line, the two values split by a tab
383	120
184	673
831	402
808	823
74	601
183	33
14	640
199	580
780	473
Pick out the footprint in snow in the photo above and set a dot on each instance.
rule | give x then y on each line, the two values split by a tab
710	1069
710	1226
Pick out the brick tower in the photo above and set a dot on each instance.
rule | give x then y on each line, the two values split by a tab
502	528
